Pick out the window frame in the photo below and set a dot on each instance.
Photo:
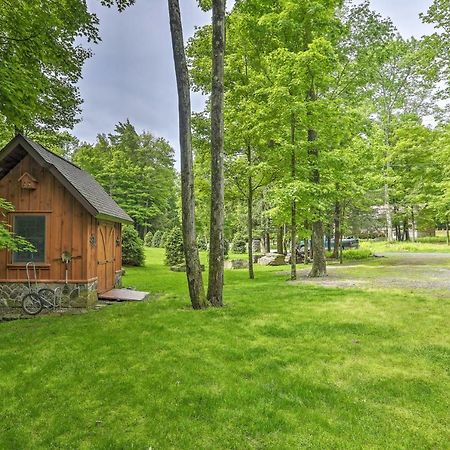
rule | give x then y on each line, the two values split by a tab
46	236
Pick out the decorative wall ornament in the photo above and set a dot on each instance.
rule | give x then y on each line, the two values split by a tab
92	240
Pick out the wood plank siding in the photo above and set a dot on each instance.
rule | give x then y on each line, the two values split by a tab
66	223
69	227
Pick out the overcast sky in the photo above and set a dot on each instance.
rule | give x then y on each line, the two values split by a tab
131	73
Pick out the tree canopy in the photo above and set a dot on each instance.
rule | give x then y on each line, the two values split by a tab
137	171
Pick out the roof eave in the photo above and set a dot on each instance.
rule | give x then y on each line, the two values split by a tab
114	218
20	140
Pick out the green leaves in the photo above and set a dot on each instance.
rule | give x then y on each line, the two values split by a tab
9	240
137	170
121	4
40	61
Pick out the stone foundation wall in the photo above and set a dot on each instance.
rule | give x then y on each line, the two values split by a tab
74	295
118	278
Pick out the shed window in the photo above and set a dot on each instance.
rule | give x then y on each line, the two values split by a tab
32	228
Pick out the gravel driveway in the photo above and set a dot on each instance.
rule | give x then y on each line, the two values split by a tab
430	271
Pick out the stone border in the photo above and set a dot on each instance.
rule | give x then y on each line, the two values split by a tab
74	295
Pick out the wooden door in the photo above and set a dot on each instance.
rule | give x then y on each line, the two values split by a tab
106	256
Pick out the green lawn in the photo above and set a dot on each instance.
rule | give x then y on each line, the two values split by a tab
413	247
280	367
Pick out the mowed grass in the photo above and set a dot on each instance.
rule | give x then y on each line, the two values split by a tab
280	367
412	247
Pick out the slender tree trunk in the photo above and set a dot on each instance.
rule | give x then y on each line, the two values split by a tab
285	246
193	268
306	250
406	229
387	207
413	223
280	237
329	233
267	237
216	252
341	245
319	267
293	205
337	230
293	240
251	272
447	232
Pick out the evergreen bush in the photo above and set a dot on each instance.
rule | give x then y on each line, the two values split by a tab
239	244
226	247
202	243
148	239
174	247
132	247
156	240
162	242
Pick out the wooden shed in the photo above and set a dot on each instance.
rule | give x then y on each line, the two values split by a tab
73	223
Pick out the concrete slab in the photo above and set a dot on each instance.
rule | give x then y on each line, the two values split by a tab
124	295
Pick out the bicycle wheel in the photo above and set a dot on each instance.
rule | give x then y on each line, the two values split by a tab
31	303
48	298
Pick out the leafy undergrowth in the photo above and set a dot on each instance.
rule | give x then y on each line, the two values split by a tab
281	366
353	254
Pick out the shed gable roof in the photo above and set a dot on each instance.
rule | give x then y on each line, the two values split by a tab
78	182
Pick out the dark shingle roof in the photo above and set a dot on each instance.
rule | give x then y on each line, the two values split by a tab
81	184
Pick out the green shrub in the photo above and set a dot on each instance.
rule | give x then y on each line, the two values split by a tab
162	242
354	254
202	243
239	244
156	240
432	240
132	247
226	247
174	247
148	239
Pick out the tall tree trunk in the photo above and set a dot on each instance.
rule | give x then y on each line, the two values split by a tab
398	233
285	239
306	245
387	207
447	232
267	237
319	267
293	205
193	268
251	272
341	245
280	237
216	252
337	230
293	240
413	223
329	233
406	229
